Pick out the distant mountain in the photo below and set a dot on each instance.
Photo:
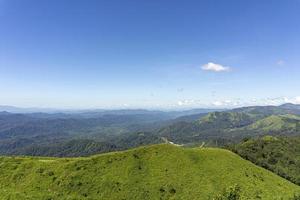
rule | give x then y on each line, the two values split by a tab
100	112
276	123
49	133
225	120
68	147
263	111
76	147
45	133
211	126
290	106
152	172
189	118
236	124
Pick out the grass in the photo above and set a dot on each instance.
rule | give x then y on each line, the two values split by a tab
153	172
276	123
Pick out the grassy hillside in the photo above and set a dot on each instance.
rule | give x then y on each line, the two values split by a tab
223	120
278	154
153	172
276	123
234	125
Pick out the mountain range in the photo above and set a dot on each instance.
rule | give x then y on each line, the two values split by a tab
82	134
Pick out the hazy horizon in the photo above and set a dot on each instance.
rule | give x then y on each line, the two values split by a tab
33	109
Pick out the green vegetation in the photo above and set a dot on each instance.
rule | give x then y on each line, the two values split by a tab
83	134
278	154
153	172
225	120
86	147
71	135
231	193
235	125
276	123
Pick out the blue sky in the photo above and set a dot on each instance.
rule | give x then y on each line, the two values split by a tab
149	54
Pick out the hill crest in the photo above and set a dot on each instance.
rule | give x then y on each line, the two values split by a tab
152	172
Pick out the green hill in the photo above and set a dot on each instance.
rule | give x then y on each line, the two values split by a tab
223	120
212	126
264	111
234	125
276	123
153	172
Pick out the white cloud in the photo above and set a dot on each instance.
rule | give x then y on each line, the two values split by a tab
215	67
235	102
180	103
187	102
225	103
278	101
218	103
294	100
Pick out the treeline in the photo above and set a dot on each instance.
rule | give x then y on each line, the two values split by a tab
280	155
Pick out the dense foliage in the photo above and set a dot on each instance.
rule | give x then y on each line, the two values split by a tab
82	134
235	125
281	155
86	147
49	134
231	193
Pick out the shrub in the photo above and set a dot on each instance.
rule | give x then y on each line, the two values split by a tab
231	193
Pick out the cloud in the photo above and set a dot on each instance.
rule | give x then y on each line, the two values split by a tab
215	67
225	103
294	100
187	102
235	102
277	101
218	103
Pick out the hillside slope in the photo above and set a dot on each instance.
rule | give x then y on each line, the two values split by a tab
278	154
276	123
234	125
153	172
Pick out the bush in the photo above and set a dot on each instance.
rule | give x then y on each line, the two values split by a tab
231	193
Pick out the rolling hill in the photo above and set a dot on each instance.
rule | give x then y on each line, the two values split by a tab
152	172
276	124
236	124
